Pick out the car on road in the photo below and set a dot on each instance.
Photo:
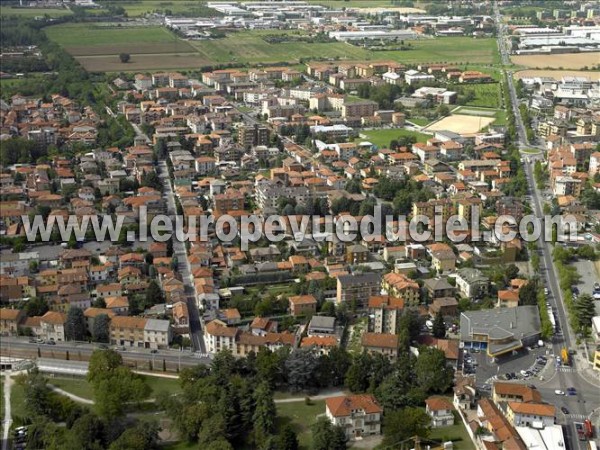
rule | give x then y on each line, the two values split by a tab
153	351
571	391
559	392
564	410
575	290
51	343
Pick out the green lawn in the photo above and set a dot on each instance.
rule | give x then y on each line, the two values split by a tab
33	12
301	416
382	138
81	387
196	8
158	384
455	433
17	401
76	386
354	340
421	121
486	95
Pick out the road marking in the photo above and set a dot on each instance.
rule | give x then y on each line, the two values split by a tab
576	416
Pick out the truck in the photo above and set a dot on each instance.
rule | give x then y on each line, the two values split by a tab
584	430
565	356
588	428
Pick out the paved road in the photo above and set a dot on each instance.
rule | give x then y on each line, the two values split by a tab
183	264
7	410
588	395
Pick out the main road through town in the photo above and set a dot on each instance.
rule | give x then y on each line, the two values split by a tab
587	400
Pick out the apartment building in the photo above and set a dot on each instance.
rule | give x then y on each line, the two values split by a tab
357	289
384	313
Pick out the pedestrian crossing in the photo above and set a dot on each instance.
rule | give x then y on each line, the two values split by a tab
566	369
576	416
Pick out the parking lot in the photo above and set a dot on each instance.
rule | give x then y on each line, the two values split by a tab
587	270
484	367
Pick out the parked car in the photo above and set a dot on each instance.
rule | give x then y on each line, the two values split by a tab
559	392
564	410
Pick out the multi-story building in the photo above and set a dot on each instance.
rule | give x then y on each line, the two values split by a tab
251	135
528	414
440	410
127	331
218	336
358	415
229	201
472	283
303	305
157	333
357	289
9	320
365	108
399	285
52	326
383	343
566	185
385	313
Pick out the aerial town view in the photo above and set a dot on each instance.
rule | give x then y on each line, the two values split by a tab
300	224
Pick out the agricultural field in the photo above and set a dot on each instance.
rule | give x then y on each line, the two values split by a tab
98	39
151	48
382	138
557	73
142	7
250	47
461	124
559	61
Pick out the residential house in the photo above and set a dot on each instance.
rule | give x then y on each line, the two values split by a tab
383	343
303	305
9	320
472	283
52	325
358	415
440	410
127	331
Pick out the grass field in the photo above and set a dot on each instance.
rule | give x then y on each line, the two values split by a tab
33	12
17	401
301	416
382	138
487	95
558	61
455	433
81	388
76	386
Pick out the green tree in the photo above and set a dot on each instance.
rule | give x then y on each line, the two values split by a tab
265	412
154	295
326	436
432	373
528	293
300	367
100	331
439	327
143	436
287	438
87	433
36	306
584	310
75	324
404	424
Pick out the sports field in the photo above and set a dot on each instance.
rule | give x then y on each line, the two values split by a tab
558	61
382	138
461	124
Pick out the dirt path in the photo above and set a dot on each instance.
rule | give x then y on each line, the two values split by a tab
73	397
323	396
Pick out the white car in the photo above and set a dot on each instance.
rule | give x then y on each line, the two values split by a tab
559	392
